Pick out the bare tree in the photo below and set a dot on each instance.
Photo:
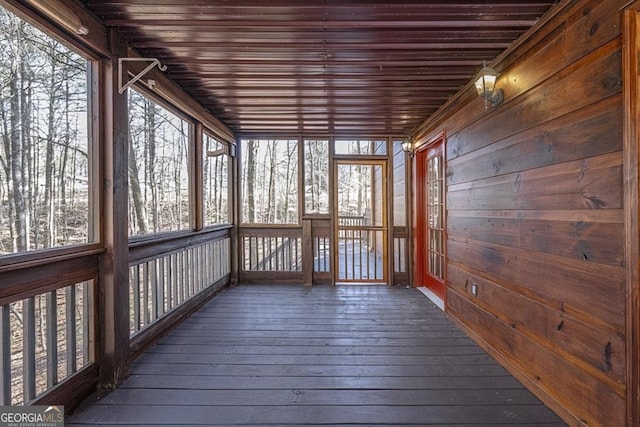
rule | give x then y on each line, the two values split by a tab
250	173
43	98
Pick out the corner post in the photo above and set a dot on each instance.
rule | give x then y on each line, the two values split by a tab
114	263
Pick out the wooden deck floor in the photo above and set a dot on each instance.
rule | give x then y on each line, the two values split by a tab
293	355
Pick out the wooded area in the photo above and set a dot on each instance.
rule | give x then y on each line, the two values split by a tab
269	181
44	166
316	176
158	168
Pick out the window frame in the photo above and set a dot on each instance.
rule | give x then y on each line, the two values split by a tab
241	183
226	151
191	166
372	140
303	173
95	162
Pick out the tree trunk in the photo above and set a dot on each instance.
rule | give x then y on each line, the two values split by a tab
251	175
151	160
270	215
136	193
17	171
48	171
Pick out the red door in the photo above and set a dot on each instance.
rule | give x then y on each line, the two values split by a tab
430	223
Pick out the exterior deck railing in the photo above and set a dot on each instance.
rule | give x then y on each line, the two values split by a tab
47	325
168	276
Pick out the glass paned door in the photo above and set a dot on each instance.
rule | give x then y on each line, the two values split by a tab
431	239
435	214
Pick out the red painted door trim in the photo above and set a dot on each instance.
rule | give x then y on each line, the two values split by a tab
422	275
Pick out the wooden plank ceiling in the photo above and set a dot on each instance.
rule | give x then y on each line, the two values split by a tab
317	67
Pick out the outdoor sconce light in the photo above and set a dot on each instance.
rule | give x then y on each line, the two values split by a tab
486	87
407	147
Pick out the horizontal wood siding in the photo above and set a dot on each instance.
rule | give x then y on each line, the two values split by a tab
535	213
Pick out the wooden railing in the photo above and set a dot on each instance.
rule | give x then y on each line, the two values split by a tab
169	277
45	340
47	326
270	254
352	221
305	254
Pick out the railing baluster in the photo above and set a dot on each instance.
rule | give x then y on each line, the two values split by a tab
160	291
184	279
153	290
201	272
177	279
171	282
273	248
5	355
185	274
264	253
197	264
363	253
216	256
145	294
188	272
52	338
136	299
212	261
86	290
353	253
29	349
192	271
70	328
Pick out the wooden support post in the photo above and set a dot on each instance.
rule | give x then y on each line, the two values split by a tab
114	268
307	253
5	355
234	189
197	190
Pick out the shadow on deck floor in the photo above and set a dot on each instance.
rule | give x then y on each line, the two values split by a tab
294	355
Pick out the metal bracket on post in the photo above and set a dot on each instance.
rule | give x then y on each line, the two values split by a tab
122	87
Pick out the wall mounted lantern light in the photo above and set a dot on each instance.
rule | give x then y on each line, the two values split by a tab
407	147
486	87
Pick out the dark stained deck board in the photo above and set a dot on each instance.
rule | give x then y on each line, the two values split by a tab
319	370
495	397
292	355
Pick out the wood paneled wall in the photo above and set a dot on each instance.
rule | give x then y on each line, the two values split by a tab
536	212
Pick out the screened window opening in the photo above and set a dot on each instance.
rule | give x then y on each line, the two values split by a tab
269	181
158	168
215	181
361	147
44	141
316	176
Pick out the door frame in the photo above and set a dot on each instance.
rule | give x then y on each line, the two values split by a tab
420	234
384	163
631	158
